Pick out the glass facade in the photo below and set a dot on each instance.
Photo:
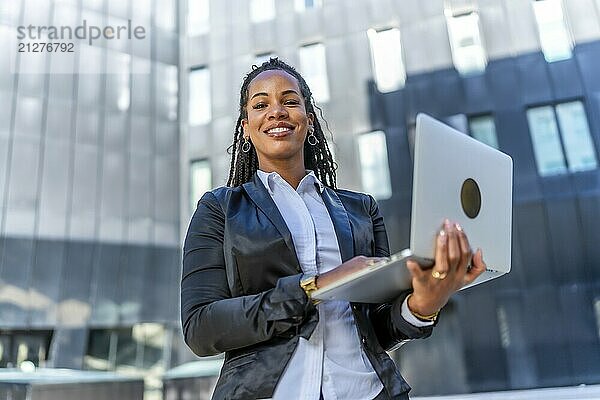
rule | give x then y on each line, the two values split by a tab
483	128
313	66
386	57
554	34
466	43
375	170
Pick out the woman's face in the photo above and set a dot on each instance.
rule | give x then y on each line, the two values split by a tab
277	122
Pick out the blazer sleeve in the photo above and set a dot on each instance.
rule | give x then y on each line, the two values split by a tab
212	320
386	318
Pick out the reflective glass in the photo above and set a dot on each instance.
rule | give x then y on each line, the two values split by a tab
546	142
303	5
555	38
200	180
386	58
198	21
314	68
262	10
483	129
374	165
199	97
468	53
579	148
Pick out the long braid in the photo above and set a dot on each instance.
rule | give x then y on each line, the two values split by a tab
317	158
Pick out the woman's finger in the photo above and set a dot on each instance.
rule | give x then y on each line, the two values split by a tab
478	267
440	269
465	250
415	270
453	247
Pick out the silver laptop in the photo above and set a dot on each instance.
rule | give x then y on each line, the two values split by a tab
455	177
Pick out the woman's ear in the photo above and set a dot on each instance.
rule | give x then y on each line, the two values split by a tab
244	124
311	119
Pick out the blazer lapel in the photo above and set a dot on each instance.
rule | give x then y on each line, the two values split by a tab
260	196
341	223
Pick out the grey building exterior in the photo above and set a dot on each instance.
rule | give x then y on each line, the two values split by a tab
98	180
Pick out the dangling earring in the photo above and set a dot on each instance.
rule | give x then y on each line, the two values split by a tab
312	139
246	145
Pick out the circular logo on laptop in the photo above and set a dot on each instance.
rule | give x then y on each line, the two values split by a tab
470	198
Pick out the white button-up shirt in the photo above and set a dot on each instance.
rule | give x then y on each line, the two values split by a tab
332	361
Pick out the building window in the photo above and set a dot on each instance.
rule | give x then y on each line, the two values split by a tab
200	180
18	347
579	148
386	59
546	142
200	104
139	347
263	57
303	5
572	128
483	129
375	170
262	10
198	17
555	38
466	44
314	68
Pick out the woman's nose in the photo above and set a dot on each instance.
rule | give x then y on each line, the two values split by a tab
277	111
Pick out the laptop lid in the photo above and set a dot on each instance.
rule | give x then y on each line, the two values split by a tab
460	178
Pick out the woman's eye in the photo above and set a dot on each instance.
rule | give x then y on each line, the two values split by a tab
258	106
292	102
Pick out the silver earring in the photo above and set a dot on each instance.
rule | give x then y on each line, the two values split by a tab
312	139
246	145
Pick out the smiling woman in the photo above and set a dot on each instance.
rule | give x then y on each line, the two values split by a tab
256	250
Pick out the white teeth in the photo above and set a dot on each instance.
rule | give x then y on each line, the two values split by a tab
278	130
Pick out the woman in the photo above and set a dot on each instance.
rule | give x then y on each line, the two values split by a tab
257	248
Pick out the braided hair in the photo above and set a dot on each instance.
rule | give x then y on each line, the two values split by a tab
317	158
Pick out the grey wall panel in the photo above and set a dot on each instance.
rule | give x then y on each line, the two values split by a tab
53	198
140	86
112	196
565	78
141	136
567	244
85	192
590	221
161	285
22	187
28	117
167	138
7	64
87	127
105	285
4	154
6	99
166	91
140	202
45	283
116	131
58	120
14	277
166	202
134	265
74	308
584	347
67	348
90	85
550	329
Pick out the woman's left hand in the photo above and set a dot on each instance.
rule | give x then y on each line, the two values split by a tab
433	287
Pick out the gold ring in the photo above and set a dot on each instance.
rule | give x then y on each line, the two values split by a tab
439	275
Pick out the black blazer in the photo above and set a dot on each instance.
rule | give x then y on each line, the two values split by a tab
240	290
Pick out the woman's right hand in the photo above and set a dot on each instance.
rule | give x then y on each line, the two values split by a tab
351	266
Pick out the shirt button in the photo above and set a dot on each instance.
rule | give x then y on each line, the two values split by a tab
364	340
326	378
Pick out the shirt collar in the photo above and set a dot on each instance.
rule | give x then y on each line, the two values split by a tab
269	179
